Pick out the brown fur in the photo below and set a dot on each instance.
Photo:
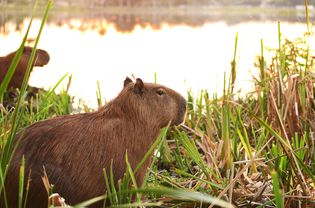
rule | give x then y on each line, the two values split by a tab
41	59
75	148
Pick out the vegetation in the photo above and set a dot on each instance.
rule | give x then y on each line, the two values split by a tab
257	150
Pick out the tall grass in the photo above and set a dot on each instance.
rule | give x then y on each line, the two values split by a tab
256	150
268	133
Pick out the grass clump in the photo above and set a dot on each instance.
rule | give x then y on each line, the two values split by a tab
256	150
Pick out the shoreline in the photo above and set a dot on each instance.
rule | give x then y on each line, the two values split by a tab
12	8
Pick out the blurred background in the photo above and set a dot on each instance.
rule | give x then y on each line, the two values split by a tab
188	44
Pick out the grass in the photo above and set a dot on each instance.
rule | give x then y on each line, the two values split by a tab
256	150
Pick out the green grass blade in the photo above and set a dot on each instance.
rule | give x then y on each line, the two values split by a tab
153	146
2	188
263	81
158	143
51	91
136	204
276	189
21	183
186	196
133	179
192	151
272	132
181	172
233	64
112	184
99	95
90	201
108	189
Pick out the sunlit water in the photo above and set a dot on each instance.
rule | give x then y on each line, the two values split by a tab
183	57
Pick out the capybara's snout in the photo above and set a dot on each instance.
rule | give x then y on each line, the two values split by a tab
42	57
181	111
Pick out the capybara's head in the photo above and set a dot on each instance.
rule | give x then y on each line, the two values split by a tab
154	102
41	57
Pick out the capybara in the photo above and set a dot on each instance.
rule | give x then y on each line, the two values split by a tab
73	149
41	59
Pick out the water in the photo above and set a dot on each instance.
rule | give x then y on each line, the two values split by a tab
186	50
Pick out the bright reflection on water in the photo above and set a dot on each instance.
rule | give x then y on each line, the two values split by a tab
183	57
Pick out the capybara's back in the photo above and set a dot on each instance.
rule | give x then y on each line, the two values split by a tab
41	59
74	149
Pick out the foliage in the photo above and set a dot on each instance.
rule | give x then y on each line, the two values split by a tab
269	133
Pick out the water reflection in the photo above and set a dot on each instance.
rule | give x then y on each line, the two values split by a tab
182	55
194	17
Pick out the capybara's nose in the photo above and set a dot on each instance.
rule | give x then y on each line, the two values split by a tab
183	105
181	111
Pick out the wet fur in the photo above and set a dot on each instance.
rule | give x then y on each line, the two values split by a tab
75	148
41	59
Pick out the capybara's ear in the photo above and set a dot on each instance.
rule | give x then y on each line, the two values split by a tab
127	81
139	86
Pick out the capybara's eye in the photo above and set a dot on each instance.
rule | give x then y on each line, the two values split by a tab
160	92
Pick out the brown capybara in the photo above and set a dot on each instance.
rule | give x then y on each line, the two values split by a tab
41	59
74	149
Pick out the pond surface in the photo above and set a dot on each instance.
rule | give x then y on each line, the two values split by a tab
186	51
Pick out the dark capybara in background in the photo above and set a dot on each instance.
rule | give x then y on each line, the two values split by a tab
74	149
41	59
